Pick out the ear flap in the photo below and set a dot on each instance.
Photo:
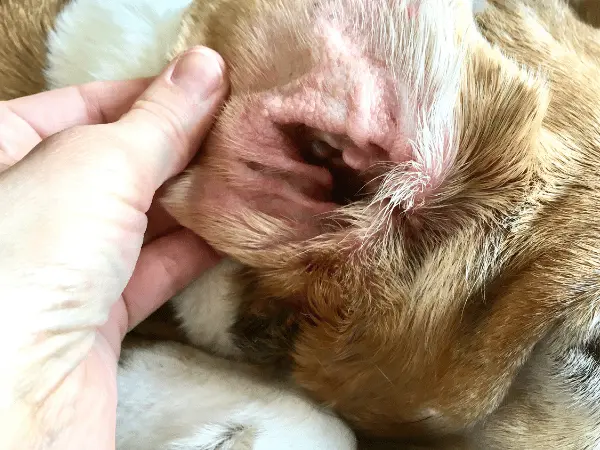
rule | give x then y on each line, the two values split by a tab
209	206
176	199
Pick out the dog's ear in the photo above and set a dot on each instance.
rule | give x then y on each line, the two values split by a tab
176	197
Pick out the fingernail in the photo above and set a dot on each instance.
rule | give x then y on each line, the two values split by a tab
199	68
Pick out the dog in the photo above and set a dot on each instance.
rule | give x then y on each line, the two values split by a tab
406	195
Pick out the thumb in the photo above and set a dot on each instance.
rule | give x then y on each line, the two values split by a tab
166	125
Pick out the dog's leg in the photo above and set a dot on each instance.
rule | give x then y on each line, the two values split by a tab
174	397
207	309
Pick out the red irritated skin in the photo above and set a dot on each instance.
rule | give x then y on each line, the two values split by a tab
389	176
324	132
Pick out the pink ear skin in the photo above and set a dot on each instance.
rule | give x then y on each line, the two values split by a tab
324	139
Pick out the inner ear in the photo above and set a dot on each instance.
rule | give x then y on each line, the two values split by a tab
323	149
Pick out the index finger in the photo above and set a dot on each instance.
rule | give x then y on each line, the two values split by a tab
25	121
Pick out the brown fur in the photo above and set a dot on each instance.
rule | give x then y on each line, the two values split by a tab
473	320
384	338
23	30
588	11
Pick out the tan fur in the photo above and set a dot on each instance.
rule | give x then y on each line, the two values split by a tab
465	317
448	354
23	31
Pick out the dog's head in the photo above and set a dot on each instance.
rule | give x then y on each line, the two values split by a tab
381	169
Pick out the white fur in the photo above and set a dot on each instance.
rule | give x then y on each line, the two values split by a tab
262	417
207	308
173	397
112	40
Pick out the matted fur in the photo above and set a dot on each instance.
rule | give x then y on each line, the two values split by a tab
460	300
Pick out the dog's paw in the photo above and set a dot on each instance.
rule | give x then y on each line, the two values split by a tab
208	308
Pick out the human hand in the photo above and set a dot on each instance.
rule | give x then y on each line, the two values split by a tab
79	263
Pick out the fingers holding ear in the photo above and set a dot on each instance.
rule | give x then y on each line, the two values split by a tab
17	136
25	121
164	268
164	127
167	123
